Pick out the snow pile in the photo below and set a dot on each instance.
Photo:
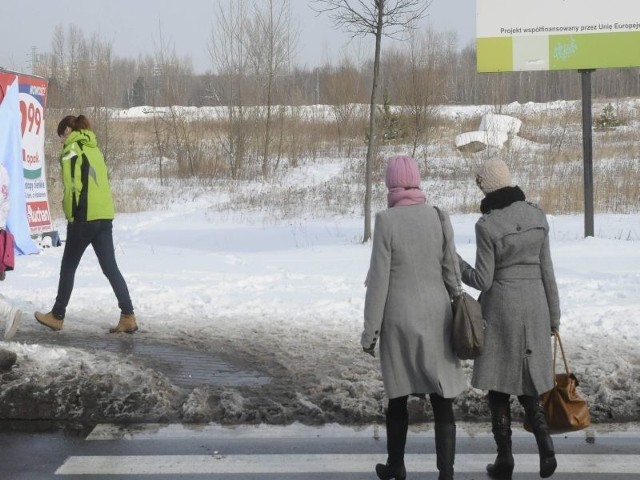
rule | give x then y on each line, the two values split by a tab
492	122
494	131
71	384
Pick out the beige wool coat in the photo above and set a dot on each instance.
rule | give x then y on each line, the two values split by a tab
407	305
520	301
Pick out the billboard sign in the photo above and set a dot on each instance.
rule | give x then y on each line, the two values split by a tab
523	35
32	100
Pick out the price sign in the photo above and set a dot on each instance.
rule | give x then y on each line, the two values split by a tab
32	100
31	115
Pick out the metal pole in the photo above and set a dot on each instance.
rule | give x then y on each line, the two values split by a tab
587	150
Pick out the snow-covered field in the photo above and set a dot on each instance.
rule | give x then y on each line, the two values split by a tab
287	298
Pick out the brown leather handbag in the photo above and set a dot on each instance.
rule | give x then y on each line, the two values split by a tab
566	410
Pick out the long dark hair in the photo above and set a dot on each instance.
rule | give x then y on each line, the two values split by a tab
74	123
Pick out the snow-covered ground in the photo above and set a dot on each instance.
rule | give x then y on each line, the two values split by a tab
219	270
286	298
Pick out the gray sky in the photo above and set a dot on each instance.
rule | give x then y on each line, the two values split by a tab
133	27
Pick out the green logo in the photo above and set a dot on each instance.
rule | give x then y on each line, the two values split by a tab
32	174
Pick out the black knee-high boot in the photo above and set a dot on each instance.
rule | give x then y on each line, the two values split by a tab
500	408
445	449
445	429
397	422
534	411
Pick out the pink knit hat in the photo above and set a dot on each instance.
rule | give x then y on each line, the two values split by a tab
402	172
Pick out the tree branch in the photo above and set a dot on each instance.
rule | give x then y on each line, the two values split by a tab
360	17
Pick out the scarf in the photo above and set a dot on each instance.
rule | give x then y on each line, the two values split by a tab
401	197
501	198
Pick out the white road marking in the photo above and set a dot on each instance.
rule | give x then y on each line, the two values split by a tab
157	431
325	463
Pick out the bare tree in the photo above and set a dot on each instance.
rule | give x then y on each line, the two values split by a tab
171	73
343	92
421	81
227	48
390	18
272	43
172	135
65	63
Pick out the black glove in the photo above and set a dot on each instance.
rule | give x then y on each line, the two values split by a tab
371	350
554	330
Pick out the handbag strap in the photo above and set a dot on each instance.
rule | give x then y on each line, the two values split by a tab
557	342
449	244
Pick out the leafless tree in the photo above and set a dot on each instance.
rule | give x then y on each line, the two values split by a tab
227	48
421	80
343	93
83	75
65	61
171	73
390	18
272	41
252	49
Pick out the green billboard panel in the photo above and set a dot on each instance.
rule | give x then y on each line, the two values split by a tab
497	54
598	50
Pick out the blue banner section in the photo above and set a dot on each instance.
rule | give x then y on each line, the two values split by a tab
11	157
36	92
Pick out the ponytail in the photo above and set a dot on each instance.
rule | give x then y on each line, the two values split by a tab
74	123
82	123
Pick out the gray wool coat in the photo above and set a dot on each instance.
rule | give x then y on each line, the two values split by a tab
407	306
519	300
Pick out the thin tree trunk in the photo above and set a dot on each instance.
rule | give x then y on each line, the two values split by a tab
371	144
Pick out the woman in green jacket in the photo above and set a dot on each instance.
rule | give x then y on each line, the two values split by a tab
88	207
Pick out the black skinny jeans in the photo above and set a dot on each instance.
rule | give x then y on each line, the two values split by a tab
98	234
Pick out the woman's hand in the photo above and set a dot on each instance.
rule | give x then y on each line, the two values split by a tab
371	350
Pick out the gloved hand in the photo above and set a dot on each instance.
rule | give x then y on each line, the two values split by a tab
554	330
371	350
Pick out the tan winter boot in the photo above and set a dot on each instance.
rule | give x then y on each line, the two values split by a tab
127	324
49	320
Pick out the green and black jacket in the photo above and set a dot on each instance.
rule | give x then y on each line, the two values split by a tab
87	194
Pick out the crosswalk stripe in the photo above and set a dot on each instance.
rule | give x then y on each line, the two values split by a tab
172	431
325	463
157	431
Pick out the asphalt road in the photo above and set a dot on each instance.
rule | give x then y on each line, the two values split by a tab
33	451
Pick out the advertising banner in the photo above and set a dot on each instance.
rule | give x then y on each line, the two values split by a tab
521	35
32	98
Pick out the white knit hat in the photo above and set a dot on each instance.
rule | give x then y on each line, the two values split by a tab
493	175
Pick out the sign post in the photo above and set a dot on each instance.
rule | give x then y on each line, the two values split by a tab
582	35
587	151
